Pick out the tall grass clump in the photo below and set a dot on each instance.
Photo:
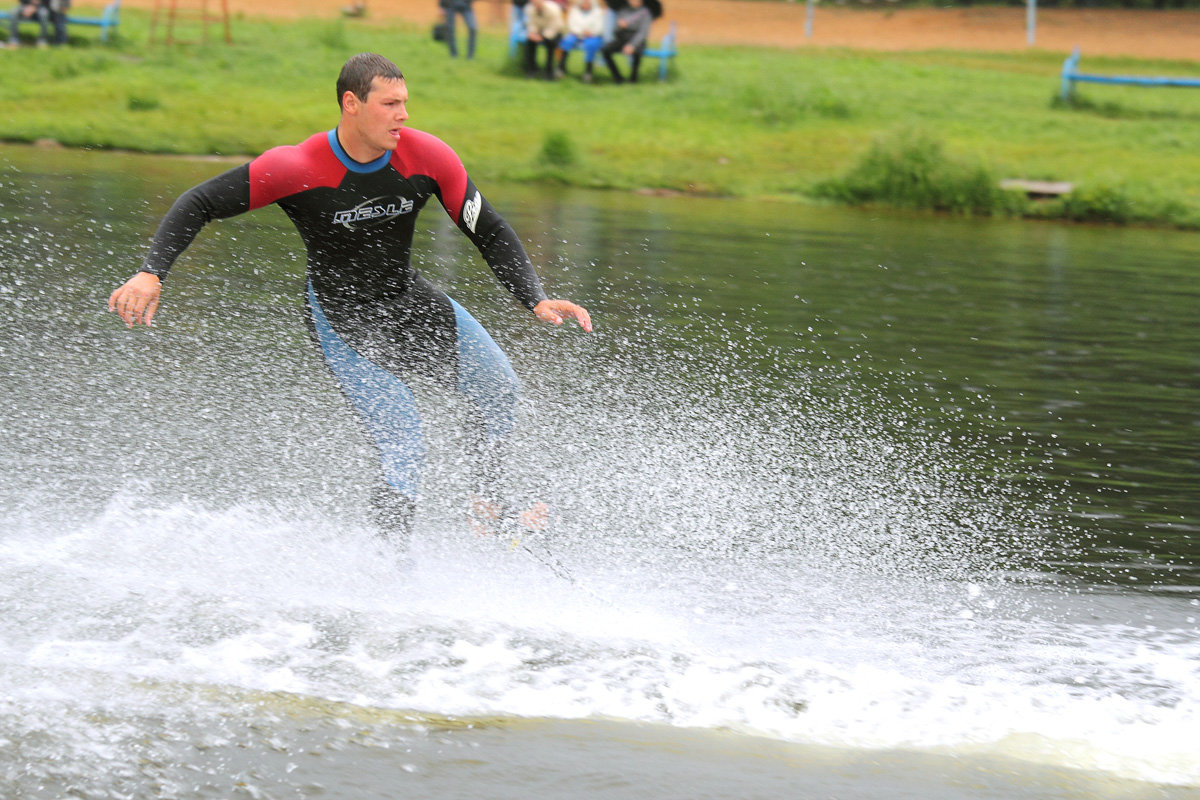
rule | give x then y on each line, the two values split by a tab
777	105
76	65
1121	205
914	171
333	36
143	102
557	150
557	159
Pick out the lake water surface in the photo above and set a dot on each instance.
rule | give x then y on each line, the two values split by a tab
852	505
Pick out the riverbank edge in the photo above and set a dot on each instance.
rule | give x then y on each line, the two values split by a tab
1048	210
940	189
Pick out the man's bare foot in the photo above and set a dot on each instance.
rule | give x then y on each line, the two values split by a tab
487	518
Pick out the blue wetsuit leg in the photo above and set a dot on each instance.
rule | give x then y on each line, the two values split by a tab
486	378
386	406
485	375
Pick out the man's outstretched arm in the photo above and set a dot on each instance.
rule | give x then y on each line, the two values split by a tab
226	195
502	250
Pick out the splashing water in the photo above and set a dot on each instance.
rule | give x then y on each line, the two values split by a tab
759	541
798	570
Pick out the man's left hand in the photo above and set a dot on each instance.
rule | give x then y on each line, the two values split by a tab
555	311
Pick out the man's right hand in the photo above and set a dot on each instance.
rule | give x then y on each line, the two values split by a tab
136	300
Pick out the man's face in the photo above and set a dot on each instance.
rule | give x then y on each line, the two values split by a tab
379	118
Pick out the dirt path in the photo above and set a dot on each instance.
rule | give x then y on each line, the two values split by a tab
1161	34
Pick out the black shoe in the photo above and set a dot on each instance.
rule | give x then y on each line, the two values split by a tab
393	514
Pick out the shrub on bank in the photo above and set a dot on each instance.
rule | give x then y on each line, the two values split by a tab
913	171
1120	205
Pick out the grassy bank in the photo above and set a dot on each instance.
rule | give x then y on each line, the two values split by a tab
908	129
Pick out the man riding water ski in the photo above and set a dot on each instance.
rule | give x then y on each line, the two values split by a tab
354	194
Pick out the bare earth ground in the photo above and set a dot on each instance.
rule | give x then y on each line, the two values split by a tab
1152	34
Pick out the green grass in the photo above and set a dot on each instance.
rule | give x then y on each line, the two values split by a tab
841	125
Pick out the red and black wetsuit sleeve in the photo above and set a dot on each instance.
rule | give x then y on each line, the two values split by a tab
500	247
498	243
226	195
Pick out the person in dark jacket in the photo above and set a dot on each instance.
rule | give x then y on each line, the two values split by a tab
58	18
30	10
630	33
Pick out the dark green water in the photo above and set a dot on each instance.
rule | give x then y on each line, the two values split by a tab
829	481
1068	355
1073	350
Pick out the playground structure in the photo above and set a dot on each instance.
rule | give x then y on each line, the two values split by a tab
178	11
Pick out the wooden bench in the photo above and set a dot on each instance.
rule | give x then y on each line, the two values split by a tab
665	51
1071	75
110	18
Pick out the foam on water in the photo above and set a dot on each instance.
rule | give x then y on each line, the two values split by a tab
779	573
286	599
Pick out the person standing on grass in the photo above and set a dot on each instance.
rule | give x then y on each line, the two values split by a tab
460	8
629	37
354	193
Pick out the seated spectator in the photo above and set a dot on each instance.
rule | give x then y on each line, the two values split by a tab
543	29
58	18
629	37
585	29
26	10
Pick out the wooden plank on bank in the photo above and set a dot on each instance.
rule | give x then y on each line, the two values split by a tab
1036	189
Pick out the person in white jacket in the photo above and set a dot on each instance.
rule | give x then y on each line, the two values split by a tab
544	26
585	30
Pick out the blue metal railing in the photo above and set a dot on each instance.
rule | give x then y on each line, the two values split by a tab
1071	75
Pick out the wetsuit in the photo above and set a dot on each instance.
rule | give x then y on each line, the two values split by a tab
377	320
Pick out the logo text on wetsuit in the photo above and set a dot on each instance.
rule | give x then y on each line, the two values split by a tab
373	212
470	212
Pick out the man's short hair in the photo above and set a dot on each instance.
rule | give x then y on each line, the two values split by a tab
358	73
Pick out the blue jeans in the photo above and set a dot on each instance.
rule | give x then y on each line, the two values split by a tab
386	405
468	15
590	45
